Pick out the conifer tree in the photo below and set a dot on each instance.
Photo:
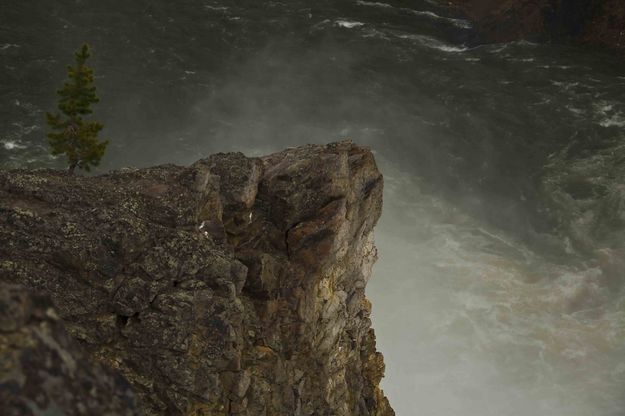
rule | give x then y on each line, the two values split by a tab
71	134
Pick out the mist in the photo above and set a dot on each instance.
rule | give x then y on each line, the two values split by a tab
480	308
474	322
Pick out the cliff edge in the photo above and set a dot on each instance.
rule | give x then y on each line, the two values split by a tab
235	286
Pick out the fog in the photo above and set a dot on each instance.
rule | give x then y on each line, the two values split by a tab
473	322
478	308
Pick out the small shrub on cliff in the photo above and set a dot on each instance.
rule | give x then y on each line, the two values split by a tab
71	134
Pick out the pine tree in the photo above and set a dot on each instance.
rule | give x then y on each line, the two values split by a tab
71	134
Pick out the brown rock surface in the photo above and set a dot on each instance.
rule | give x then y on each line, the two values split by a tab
44	372
599	22
231	287
607	27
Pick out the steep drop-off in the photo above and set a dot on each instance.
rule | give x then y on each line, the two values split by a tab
235	286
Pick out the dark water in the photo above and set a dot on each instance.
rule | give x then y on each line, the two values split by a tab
460	131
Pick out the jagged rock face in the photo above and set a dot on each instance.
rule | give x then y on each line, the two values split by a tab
593	21
44	372
231	287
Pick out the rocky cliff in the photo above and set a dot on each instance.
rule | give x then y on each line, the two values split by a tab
235	286
45	372
599	22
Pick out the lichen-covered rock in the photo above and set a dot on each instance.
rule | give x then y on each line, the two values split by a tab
231	287
44	372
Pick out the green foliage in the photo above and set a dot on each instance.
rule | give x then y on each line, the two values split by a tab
71	134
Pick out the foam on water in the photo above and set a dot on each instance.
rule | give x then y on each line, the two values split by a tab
432	43
607	115
463	24
566	86
574	110
216	8
8	45
460	23
617	120
374	33
348	24
12	144
374	4
490	332
564	67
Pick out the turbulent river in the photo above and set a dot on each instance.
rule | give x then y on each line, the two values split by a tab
475	314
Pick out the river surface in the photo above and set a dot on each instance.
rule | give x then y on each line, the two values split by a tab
473	316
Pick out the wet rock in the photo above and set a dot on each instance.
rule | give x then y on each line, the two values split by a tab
600	22
233	286
44	371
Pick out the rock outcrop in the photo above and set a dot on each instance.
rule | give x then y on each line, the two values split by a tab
599	22
45	372
235	286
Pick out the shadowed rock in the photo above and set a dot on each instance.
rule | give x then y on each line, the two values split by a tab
44	372
231	287
600	22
